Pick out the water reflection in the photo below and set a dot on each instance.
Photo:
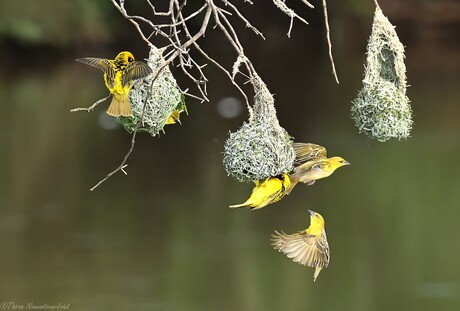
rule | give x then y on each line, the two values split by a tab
162	238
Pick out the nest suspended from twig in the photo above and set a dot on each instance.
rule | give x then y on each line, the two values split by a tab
163	97
382	109
261	148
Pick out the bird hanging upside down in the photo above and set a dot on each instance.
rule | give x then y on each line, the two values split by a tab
307	247
266	192
119	75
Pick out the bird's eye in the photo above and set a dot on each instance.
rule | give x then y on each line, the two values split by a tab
130	59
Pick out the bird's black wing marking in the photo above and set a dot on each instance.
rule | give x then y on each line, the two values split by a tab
135	70
100	63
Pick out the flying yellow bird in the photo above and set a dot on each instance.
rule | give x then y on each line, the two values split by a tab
119	75
266	192
307	247
313	164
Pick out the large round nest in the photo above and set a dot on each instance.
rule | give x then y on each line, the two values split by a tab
261	148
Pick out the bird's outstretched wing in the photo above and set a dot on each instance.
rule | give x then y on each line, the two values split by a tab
306	152
135	70
303	248
100	63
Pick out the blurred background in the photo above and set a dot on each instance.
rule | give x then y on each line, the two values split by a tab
163	237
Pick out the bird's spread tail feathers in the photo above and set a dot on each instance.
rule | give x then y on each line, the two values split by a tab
120	106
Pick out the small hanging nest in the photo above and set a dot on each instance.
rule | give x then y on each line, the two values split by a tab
163	97
382	109
261	148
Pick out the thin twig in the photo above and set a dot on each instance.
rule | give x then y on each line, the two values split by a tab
158	13
248	24
308	4
377	4
190	62
328	36
185	18
186	93
290	12
232	38
228	75
197	46
90	108
123	163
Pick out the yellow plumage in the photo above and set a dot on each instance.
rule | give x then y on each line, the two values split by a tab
119	75
308	247
313	164
174	117
266	192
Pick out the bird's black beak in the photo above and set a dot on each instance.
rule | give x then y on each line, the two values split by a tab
312	213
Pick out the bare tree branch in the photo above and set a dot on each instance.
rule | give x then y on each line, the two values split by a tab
122	165
248	24
328	36
290	12
90	108
308	4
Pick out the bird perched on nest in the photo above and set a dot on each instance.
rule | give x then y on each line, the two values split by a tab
119	75
266	192
307	247
313	164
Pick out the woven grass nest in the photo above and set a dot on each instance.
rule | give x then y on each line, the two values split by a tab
261	148
161	98
381	109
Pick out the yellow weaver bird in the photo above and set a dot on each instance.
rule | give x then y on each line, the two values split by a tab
313	164
266	192
119	75
175	115
307	247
